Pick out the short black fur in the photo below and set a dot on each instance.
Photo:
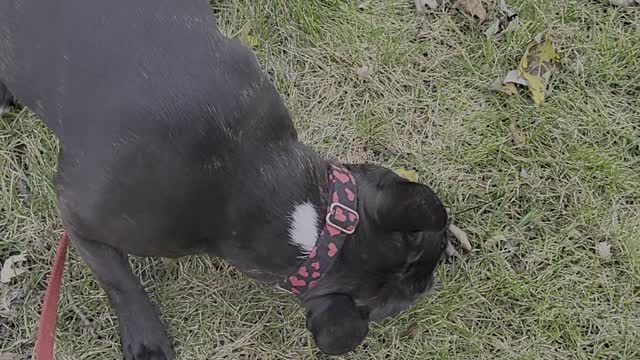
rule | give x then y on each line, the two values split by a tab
6	99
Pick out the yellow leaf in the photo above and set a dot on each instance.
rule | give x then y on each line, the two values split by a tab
472	7
538	63
247	38
407	174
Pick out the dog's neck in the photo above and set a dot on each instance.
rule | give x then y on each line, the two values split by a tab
306	215
305	223
277	210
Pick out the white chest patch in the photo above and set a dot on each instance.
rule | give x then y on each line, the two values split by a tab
303	231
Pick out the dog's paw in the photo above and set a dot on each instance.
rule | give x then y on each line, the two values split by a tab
150	343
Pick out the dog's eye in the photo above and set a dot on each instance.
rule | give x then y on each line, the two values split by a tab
413	239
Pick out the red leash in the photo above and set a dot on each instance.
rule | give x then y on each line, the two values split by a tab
47	324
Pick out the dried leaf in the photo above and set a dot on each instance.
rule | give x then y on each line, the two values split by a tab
493	29
421	4
247	38
461	236
515	134
364	5
502	5
538	38
514	78
407	174
508	84
472	7
9	269
603	249
538	63
364	72
10	356
625	3
505	88
507	22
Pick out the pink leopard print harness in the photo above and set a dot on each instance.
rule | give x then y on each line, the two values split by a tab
341	221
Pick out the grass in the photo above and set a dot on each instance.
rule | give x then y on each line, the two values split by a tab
535	187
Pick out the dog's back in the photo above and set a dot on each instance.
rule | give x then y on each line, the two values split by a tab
152	106
151	60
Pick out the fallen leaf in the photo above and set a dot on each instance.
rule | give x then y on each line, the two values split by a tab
603	249
364	72
502	5
515	134
364	5
493	29
538	63
508	84
421	4
625	3
247	38
508	88
507	22
538	38
9	271
10	356
472	7
514	77
461	236
511	25
407	174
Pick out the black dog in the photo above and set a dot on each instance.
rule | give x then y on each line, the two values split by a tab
174	142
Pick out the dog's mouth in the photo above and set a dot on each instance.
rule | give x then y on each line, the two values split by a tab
391	304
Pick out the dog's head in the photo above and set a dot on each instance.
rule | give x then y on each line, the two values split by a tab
385	266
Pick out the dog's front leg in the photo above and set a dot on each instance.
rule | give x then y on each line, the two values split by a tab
142	333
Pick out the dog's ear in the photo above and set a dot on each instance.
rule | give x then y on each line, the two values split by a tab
405	206
336	324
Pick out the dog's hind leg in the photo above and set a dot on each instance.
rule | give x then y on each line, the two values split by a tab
6	99
142	333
